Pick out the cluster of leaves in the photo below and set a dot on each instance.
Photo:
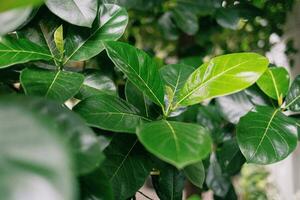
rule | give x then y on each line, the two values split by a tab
132	118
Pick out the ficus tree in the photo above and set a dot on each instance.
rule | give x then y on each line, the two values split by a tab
74	127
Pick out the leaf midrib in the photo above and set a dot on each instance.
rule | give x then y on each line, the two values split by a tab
265	133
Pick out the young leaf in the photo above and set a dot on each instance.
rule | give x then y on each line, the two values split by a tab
109	25
59	39
293	96
175	77
195	173
140	69
34	157
56	85
81	13
275	82
13	51
109	113
169	184
12	4
221	76
265	135
127	165
177	143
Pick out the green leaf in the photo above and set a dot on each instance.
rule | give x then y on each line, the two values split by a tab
81	13
59	39
12	19
186	20
177	143
56	85
138	99
223	75
127	165
265	135
42	31
141	5
293	97
275	82
215	180
96	186
34	159
13	51
169	184
12	4
96	83
175	76
109	25
139	68
83	141
195	173
230	157
228	18
234	106
109	113
167	27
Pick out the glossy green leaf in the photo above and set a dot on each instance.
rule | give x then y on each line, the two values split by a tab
138	99
293	97
169	184
175	76
96	186
96	83
12	4
13	51
215	180
127	166
230	157
109	25
139	68
223	75
35	162
228	18
56	85
81	13
195	173
177	143
83	141
234	106
109	113
42	31
265	135
275	82
12	19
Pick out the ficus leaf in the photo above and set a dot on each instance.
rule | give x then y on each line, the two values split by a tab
109	113
275	82
109	25
177	143
265	135
139	68
13	51
222	75
56	85
81	13
293	97
12	4
195	173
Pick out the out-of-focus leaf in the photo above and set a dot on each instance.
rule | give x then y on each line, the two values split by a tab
12	4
